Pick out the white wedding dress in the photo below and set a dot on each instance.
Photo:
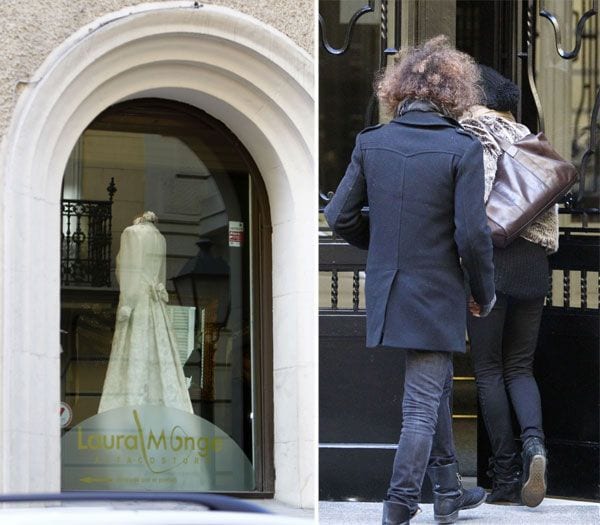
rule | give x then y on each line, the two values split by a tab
144	366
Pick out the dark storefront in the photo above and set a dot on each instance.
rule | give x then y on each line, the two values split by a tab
551	50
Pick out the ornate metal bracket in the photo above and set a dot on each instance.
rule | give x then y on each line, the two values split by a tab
368	8
568	55
370	115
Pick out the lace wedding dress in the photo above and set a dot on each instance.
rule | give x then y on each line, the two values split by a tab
144	366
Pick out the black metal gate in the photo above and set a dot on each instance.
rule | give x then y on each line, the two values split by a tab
361	389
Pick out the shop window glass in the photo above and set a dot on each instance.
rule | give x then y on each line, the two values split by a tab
158	344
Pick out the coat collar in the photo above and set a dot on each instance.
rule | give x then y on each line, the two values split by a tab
423	113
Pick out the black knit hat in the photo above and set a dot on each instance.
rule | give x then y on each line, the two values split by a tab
500	93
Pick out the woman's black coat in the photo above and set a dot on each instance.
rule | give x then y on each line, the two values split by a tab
422	177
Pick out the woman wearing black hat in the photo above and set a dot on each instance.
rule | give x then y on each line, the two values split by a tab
503	344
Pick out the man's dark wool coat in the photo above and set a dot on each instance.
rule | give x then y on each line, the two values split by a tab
422	177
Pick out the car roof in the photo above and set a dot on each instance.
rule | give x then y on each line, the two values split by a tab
94	515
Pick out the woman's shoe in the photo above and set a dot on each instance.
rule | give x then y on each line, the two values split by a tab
534	472
506	481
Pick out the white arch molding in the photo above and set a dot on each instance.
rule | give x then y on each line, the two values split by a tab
242	72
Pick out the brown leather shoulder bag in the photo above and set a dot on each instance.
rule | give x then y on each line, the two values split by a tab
530	177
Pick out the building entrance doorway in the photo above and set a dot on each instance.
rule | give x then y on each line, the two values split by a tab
559	81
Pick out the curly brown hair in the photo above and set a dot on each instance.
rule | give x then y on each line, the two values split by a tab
434	71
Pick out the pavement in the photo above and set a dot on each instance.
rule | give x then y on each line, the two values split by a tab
551	512
284	510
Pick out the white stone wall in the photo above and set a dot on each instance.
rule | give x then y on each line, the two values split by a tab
32	29
243	72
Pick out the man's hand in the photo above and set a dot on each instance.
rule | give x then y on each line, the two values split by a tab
474	307
477	310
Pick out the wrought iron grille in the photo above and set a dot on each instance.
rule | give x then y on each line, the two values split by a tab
571	286
86	241
585	33
574	282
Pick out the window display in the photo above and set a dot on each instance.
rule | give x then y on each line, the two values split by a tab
162	357
144	352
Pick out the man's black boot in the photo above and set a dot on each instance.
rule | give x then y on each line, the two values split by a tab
395	513
534	472
449	496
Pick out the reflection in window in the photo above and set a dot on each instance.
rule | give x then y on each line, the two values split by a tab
163	157
568	88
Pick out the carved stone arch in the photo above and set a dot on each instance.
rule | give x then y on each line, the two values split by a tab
244	73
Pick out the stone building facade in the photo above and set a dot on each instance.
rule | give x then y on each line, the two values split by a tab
248	66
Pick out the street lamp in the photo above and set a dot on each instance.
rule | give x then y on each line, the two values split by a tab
203	282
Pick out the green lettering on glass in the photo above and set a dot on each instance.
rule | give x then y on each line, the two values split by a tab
176	441
80	444
108	445
142	441
156	443
131	442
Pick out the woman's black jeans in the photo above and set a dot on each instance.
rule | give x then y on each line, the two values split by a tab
502	348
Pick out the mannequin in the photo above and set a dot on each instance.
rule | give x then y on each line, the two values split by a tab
144	366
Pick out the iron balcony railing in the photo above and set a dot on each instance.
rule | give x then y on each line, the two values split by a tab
86	241
574	280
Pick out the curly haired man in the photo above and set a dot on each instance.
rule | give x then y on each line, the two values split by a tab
426	233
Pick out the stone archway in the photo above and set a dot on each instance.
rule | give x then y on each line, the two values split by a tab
242	72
